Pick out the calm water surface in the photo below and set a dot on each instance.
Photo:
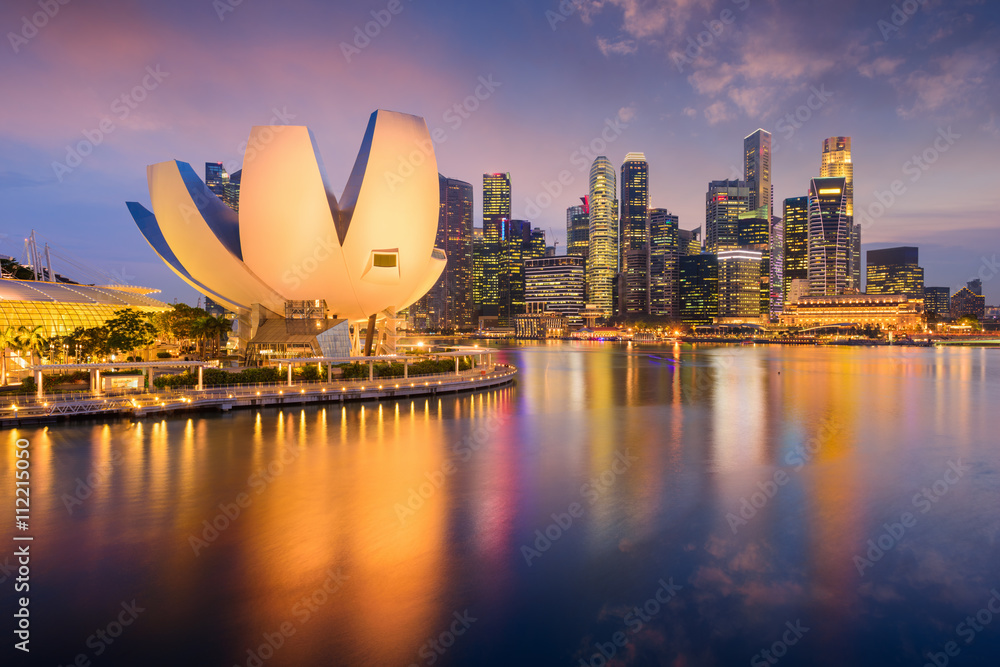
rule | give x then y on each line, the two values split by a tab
659	505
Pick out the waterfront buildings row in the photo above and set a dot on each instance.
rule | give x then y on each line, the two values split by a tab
626	259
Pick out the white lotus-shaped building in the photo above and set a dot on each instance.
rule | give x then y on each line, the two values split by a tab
370	253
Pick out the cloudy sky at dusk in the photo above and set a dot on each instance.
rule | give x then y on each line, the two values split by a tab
640	73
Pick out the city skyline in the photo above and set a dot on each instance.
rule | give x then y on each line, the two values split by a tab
916	89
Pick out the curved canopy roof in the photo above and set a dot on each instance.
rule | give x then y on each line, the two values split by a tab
31	290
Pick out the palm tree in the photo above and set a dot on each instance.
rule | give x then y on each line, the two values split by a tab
33	340
9	340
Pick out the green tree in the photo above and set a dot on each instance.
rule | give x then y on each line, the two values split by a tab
34	341
128	330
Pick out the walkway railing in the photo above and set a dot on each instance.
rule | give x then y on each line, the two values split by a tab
20	406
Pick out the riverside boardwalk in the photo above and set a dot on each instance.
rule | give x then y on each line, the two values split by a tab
21	409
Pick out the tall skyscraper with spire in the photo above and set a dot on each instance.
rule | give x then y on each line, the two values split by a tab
836	161
633	236
602	258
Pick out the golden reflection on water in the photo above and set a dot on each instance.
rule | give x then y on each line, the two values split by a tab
363	490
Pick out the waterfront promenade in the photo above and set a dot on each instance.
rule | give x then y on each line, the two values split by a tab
21	409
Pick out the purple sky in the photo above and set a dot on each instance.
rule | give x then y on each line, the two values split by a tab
901	85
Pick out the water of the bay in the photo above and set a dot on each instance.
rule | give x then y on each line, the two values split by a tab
621	505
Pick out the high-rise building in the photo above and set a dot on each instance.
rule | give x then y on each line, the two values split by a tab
937	301
757	170
966	302
215	178
724	201
231	191
796	260
449	303
559	283
739	280
496	213
975	286
689	242
699	288
633	230
536	250
754	233
777	267
829	237
478	266
895	271
835	162
602	258
578	228
664	255
633	236
515	247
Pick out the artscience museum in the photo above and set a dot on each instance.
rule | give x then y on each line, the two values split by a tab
301	269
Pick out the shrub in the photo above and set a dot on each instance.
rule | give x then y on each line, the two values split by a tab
162	354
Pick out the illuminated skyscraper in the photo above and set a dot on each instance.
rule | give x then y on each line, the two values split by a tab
796	223
895	271
699	288
634	236
776	302
724	201
478	265
937	301
829	237
602	259
578	229
216	178
689	242
663	263
558	283
496	213
757	170
231	191
754	233
449	303
739	283
836	161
